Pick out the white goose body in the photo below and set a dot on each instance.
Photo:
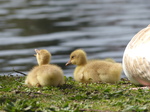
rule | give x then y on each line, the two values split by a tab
136	58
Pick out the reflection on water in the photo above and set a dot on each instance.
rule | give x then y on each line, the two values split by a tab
101	27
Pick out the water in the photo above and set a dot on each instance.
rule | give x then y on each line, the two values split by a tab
101	27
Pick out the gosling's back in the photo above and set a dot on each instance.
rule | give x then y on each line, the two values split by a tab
107	71
49	75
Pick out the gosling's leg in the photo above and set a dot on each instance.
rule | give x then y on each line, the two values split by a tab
38	85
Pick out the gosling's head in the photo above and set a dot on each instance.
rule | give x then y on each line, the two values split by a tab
77	57
43	56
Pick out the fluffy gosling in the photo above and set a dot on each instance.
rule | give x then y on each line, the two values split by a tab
94	70
44	74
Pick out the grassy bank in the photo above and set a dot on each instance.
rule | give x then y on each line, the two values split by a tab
71	97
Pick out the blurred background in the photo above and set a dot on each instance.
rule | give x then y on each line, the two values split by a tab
102	28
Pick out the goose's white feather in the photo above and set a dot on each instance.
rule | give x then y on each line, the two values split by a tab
136	58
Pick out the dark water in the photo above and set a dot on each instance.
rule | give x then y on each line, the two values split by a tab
101	27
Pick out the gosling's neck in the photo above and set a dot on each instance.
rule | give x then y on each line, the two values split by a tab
82	62
43	62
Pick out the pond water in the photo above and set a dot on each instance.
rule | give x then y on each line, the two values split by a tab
101	27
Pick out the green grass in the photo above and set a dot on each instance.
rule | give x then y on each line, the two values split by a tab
72	97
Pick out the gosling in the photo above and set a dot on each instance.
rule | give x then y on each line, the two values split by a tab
44	74
92	71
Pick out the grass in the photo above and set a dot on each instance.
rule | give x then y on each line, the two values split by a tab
72	97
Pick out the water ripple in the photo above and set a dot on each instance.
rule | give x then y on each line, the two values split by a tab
101	27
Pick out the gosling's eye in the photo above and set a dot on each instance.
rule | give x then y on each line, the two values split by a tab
72	57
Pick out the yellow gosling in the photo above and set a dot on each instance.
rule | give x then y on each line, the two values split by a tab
94	70
44	74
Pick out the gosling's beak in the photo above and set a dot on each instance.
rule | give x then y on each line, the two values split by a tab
37	51
68	63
